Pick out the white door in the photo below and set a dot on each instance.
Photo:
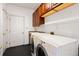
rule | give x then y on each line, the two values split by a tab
16	30
1	31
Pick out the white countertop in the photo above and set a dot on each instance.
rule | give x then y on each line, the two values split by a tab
55	40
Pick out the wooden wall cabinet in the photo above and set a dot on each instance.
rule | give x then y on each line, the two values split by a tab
46	9
41	10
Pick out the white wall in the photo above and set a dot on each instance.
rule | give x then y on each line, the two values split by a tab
65	22
18	11
1	31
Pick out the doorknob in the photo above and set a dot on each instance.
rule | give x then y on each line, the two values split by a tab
23	32
0	47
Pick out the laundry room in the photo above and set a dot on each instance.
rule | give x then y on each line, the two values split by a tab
39	29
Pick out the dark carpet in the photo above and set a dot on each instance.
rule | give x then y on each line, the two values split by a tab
23	50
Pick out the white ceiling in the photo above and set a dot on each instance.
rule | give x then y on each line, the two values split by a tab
33	6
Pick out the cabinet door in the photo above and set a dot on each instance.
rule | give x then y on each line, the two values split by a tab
40	12
37	18
34	22
42	9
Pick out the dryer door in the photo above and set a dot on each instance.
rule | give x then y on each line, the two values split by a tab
40	51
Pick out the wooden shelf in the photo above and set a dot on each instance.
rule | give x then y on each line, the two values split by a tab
49	13
63	6
58	8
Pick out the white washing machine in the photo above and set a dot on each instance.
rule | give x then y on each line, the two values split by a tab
47	45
